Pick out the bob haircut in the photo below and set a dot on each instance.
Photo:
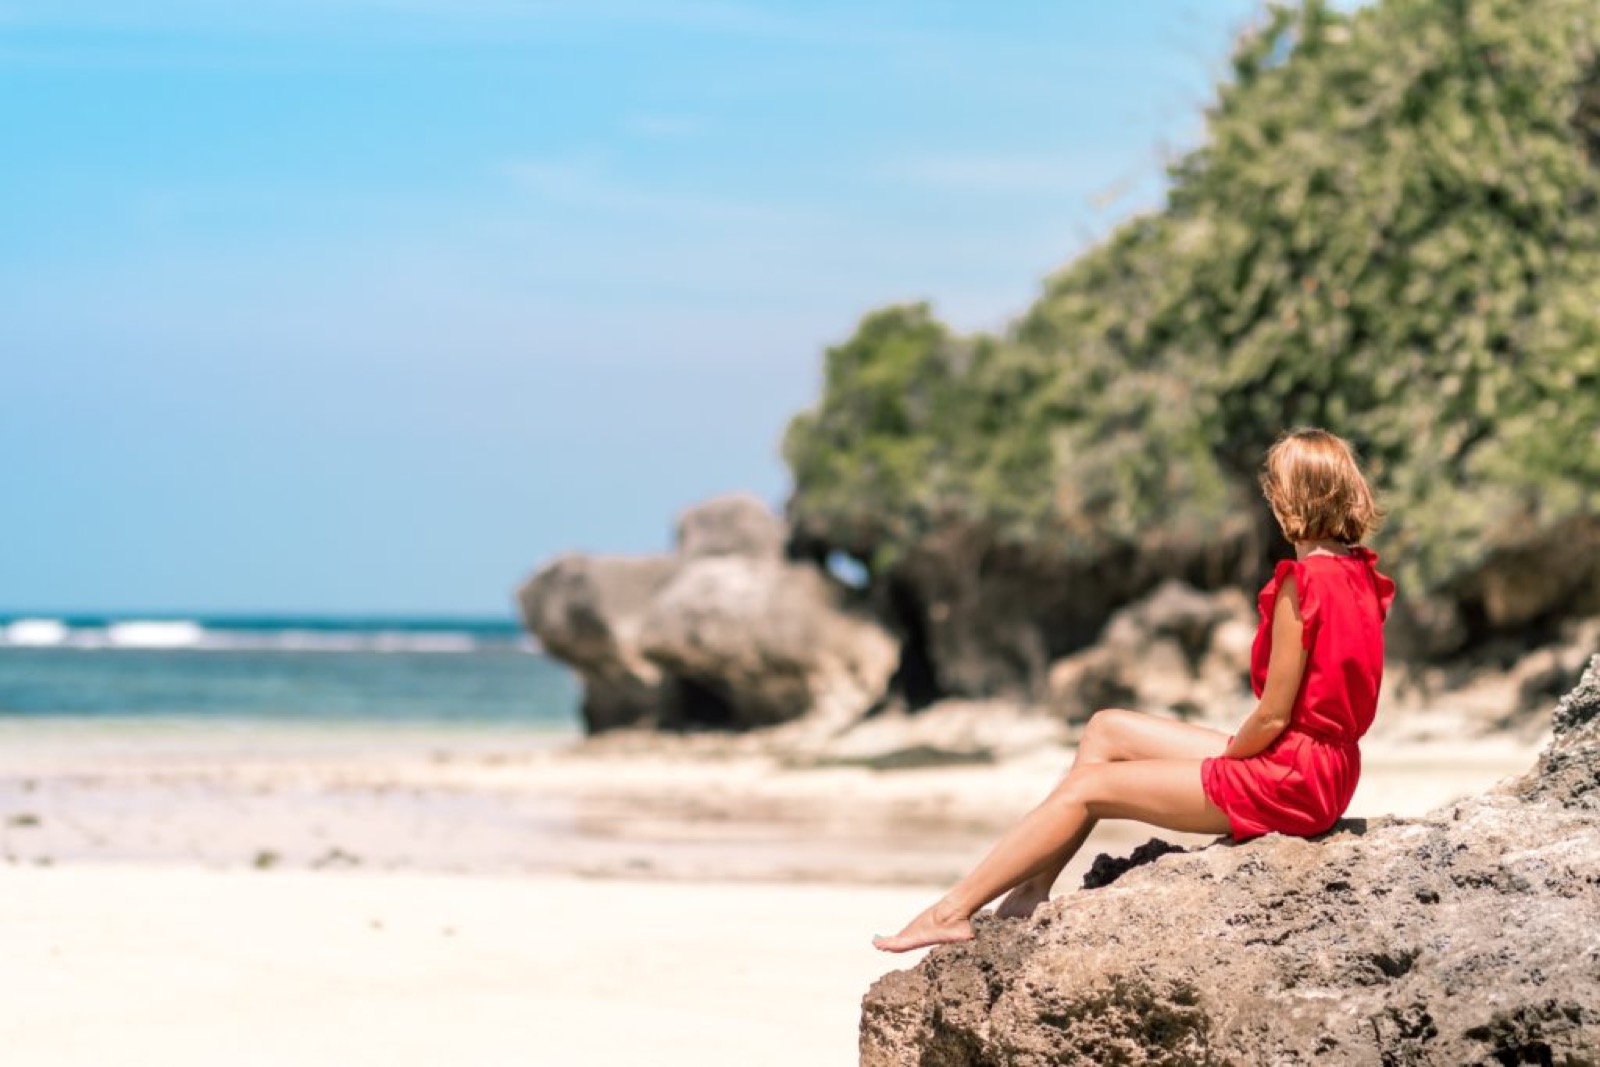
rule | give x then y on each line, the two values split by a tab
1314	484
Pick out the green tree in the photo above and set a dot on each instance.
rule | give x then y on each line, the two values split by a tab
1392	230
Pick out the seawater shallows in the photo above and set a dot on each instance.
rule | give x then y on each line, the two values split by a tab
300	670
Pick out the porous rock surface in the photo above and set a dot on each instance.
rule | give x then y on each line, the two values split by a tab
1468	936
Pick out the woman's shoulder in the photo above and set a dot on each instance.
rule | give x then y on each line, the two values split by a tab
1310	588
1282	572
1365	560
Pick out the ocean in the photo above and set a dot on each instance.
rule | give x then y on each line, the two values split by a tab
293	671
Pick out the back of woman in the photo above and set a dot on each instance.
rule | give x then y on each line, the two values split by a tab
1293	764
1344	601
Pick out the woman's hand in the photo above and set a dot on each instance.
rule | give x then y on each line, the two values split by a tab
1286	666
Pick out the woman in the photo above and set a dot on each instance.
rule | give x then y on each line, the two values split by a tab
1291	768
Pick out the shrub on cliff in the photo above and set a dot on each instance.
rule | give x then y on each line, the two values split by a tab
1393	230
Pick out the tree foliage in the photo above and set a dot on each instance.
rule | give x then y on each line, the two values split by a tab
1392	230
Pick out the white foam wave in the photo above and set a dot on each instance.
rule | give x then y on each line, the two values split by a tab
142	633
187	634
35	633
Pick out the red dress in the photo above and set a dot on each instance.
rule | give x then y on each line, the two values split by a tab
1302	782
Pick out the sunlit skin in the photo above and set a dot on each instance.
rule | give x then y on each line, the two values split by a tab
1129	765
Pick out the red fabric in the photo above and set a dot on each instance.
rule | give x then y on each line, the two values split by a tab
1302	782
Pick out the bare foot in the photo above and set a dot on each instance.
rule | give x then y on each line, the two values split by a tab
932	927
1021	901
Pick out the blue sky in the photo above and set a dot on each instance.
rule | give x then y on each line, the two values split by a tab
374	305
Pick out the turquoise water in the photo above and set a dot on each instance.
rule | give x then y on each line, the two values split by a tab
303	670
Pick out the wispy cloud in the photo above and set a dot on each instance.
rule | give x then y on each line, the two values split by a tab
586	184
997	173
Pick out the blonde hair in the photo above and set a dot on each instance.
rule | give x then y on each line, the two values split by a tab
1313	482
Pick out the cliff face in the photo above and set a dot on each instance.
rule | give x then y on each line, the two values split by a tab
1469	936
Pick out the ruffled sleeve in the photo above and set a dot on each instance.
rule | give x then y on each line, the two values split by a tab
1382	584
1268	600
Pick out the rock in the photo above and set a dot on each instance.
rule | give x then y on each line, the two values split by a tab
993	616
725	634
586	611
769	642
1510	691
1568	772
1471	935
1228	657
1176	650
1087	681
1556	573
734	525
1551	574
1186	615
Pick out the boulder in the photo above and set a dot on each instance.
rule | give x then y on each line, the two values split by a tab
1541	578
1468	936
992	616
735	525
1568	772
767	641
723	634
586	611
1508	689
1176	650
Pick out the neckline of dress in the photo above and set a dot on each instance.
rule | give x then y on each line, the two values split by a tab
1360	552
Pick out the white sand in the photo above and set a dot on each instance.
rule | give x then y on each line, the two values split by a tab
148	938
177	966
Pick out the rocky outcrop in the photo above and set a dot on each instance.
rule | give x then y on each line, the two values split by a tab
991	617
1469	936
769	640
1568	772
734	525
1522	589
1177	650
586	611
724	633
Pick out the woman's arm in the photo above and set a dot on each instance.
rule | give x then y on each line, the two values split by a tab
1285	667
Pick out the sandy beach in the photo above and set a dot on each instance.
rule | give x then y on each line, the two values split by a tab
180	966
179	895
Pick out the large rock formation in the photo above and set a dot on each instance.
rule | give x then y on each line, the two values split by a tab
724	634
1469	936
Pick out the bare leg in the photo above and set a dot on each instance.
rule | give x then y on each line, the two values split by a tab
1113	735
1164	793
